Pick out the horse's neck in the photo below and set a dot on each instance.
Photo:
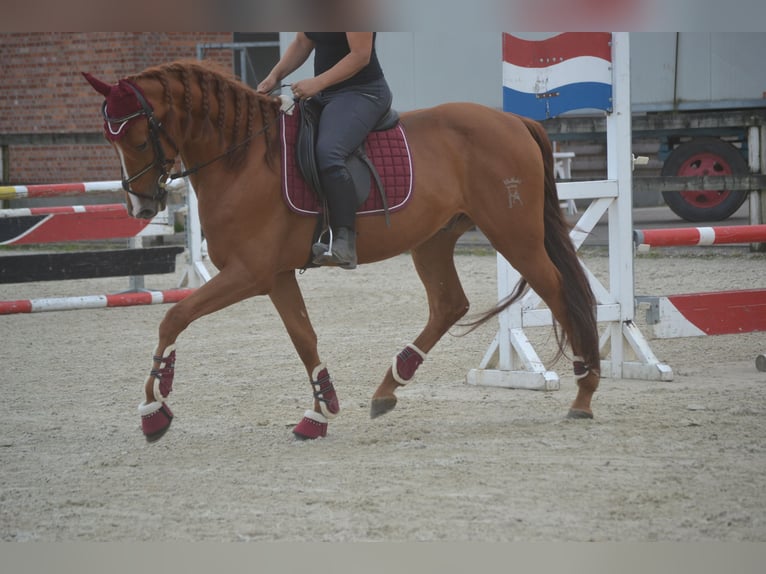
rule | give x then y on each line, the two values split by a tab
201	139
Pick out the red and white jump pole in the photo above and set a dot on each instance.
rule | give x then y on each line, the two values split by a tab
101	221
699	314
699	236
94	301
57	189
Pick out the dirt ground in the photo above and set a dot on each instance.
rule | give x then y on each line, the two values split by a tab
671	461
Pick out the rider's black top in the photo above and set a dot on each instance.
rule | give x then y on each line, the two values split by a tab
331	47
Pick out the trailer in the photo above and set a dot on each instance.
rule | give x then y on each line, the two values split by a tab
698	111
697	100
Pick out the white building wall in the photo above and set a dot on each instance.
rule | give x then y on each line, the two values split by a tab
425	69
429	68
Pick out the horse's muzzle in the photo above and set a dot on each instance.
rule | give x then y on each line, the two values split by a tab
146	213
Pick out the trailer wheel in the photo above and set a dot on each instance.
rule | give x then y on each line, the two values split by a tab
705	156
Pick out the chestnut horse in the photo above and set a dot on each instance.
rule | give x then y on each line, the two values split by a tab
474	166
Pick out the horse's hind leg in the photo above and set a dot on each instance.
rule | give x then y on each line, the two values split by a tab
542	275
447	303
288	301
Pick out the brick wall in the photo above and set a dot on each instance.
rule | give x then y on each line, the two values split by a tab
42	92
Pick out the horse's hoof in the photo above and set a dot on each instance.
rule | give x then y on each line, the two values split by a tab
155	420
313	425
158	435
379	407
578	414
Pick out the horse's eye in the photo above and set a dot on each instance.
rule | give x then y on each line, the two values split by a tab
143	146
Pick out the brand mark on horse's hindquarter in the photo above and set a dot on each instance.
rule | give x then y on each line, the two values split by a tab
512	187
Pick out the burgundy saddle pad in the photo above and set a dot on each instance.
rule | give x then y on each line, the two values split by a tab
389	152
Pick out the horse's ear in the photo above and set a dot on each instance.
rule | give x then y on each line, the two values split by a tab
101	87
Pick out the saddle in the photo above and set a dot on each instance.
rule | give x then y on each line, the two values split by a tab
359	164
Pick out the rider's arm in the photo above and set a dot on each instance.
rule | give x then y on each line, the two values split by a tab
297	52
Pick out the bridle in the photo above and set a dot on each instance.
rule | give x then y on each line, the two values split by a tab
160	161
156	131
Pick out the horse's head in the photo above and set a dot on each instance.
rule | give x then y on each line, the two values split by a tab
146	151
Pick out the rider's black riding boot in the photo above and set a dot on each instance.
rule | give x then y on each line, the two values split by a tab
341	199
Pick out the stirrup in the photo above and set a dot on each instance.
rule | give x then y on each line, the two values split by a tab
322	250
324	253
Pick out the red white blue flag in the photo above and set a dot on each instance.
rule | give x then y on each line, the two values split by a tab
545	78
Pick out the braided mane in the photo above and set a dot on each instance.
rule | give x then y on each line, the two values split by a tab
251	110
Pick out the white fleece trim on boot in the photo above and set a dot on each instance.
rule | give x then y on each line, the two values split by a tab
156	387
145	409
579	359
315	416
316	371
166	353
394	370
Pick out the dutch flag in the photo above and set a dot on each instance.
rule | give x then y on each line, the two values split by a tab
545	78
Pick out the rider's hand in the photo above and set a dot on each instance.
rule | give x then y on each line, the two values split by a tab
267	85
307	88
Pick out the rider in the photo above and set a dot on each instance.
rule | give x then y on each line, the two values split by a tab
349	83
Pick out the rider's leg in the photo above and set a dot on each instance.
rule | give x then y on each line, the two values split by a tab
347	117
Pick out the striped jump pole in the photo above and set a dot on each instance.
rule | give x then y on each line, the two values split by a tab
56	224
56	189
94	301
700	314
74	223
66	189
61	209
683	236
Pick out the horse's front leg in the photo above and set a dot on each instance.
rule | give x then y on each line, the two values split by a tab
288	301
230	286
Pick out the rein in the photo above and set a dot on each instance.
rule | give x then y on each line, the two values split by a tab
156	130
235	147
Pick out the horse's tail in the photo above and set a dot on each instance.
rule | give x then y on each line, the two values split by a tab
579	301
